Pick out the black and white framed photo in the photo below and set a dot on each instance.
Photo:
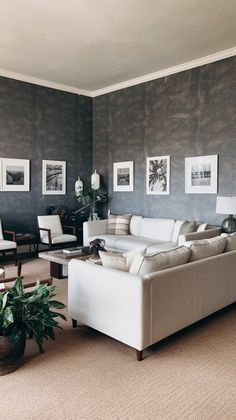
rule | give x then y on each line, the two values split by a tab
201	174
158	175
15	175
123	176
54	177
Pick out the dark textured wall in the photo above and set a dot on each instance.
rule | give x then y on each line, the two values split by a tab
186	114
38	123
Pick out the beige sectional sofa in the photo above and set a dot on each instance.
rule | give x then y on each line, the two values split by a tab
140	310
156	234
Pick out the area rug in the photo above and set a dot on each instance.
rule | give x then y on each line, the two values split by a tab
87	375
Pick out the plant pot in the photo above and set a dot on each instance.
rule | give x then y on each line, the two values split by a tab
11	352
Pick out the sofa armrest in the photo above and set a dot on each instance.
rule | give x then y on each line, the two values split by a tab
93	228
111	301
205	234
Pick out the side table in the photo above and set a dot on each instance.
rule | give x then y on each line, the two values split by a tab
30	239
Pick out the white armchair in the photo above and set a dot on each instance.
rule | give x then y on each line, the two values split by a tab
7	245
51	232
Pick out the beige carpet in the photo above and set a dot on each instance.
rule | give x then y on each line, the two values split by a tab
86	375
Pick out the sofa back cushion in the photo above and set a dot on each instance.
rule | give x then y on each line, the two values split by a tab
230	241
159	229
204	248
118	224
135	225
205	234
143	265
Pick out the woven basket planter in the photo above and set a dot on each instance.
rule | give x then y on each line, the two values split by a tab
11	352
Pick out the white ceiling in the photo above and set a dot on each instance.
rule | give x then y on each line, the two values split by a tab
93	44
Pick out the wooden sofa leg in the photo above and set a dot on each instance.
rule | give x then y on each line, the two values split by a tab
139	354
74	323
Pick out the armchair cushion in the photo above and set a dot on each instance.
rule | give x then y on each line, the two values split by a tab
4	245
50	222
59	239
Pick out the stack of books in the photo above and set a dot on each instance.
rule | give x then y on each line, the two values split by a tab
76	250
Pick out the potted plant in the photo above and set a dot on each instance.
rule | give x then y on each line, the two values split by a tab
25	314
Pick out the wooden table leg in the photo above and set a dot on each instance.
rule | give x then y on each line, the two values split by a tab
56	270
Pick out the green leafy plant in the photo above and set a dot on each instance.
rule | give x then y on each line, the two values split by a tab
30	311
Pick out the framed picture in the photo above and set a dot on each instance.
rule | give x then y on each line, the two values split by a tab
201	174
123	176
158	175
54	177
15	175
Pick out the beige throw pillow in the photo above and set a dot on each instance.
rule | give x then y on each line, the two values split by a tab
230	241
118	225
205	248
118	261
188	227
162	260
113	260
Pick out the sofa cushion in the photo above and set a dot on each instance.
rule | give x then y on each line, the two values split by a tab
230	241
204	248
120	261
118	224
135	225
143	265
123	243
160	246
177	226
158	229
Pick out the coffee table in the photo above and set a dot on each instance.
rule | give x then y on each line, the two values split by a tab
59	261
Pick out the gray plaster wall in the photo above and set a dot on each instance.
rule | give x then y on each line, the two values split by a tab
39	123
191	113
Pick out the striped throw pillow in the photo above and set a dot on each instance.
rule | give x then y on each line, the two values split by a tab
118	225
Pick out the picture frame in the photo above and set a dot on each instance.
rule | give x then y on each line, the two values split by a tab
15	174
158	175
53	177
201	175
123	176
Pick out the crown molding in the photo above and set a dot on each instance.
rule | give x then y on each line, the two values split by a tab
128	83
42	82
166	72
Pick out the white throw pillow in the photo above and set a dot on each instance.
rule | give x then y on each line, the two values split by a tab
205	248
118	261
202	227
230	241
162	260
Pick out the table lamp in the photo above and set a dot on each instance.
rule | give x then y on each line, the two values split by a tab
227	205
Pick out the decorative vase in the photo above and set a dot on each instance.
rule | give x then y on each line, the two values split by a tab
11	352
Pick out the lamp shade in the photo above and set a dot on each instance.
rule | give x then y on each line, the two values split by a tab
226	205
95	180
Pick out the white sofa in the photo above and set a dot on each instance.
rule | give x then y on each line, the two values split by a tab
155	234
140	311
